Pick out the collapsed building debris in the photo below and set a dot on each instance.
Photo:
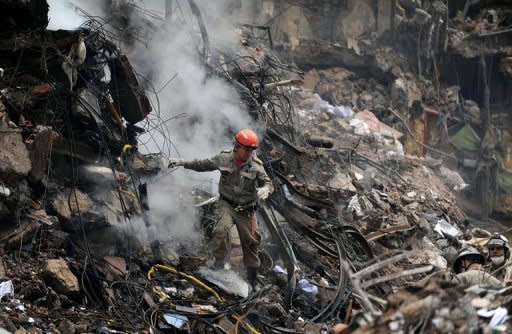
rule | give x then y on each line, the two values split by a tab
360	234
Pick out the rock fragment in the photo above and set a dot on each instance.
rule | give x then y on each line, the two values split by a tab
58	275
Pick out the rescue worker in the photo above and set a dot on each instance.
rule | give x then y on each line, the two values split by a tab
499	252
468	267
243	184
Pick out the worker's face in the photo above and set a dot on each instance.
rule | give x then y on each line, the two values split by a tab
495	251
243	153
464	264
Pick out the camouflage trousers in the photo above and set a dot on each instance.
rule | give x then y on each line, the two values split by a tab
246	226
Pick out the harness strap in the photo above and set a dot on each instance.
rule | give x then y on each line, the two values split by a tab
253	223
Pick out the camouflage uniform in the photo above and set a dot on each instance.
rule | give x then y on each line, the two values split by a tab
507	269
238	199
477	277
498	272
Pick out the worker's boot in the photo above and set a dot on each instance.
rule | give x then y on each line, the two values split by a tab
218	264
252	277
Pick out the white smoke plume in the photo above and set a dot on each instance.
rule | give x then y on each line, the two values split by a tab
65	14
211	108
212	111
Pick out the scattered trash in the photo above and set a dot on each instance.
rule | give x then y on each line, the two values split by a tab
5	191
307	286
6	289
374	125
278	269
498	316
355	206
446	229
175	320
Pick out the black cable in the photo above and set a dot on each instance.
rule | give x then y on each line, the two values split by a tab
16	68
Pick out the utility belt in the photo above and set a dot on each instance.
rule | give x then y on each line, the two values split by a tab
238	207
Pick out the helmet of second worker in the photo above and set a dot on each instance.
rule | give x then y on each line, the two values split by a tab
498	240
498	248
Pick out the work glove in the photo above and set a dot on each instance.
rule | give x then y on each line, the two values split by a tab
175	162
263	193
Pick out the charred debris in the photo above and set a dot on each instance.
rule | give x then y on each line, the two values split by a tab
371	151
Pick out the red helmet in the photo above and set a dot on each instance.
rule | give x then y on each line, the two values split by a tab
247	137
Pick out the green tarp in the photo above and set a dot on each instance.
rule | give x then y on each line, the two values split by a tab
505	180
466	139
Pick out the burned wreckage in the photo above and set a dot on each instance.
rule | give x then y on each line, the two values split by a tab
364	224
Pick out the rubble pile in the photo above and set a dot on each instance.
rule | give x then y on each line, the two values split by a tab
68	107
61	92
358	236
437	73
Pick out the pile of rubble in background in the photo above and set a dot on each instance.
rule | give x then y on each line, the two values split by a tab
359	233
439	71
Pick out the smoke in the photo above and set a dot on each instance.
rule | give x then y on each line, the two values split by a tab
64	14
211	110
172	216
212	113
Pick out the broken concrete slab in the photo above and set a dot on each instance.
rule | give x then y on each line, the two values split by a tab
40	150
22	235
41	216
342	180
14	156
70	202
227	280
375	126
115	267
58	275
404	92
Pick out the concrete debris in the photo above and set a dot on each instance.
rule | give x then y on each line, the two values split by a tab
403	93
227	280
6	289
40	148
22	235
71	202
58	275
14	155
453	179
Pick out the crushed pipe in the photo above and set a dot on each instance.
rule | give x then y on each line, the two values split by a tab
382	264
390	277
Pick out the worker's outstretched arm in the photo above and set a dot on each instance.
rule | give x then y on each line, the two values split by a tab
200	165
